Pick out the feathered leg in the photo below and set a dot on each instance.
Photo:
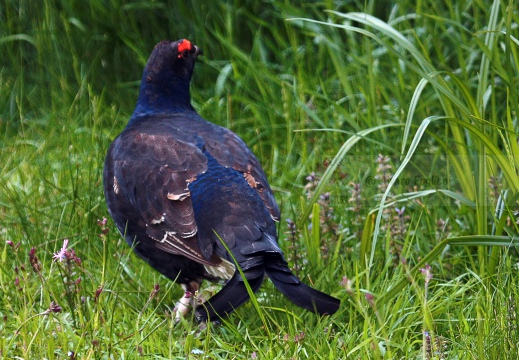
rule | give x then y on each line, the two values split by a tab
232	295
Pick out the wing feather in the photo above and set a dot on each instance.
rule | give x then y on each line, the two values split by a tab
230	151
152	171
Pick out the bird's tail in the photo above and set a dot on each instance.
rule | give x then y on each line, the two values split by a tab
300	294
232	295
235	293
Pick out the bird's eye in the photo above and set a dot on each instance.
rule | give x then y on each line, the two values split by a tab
185	54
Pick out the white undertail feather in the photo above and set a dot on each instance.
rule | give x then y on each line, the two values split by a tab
225	270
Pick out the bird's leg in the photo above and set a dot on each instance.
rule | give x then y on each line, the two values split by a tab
187	301
184	305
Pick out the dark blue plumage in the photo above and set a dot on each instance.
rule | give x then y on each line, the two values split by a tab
177	186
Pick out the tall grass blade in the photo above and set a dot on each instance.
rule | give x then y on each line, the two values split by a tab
405	161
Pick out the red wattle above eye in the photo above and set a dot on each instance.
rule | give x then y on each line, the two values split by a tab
184	45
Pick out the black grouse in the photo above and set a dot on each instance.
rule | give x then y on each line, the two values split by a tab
177	185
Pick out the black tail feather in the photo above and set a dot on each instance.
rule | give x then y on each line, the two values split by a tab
300	294
232	295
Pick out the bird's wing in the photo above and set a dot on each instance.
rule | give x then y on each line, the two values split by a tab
152	172
230	151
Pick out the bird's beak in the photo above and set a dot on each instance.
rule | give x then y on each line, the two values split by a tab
198	51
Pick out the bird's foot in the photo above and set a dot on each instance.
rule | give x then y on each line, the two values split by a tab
184	305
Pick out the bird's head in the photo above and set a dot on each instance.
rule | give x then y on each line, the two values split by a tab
171	60
166	77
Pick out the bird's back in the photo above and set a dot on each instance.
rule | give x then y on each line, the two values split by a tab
230	196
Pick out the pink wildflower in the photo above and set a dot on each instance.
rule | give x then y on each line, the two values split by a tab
62	254
370	298
427	273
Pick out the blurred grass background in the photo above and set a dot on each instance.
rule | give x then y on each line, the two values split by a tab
387	129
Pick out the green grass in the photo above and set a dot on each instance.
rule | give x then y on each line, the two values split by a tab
312	87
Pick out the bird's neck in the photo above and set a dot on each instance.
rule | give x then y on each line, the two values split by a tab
163	96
